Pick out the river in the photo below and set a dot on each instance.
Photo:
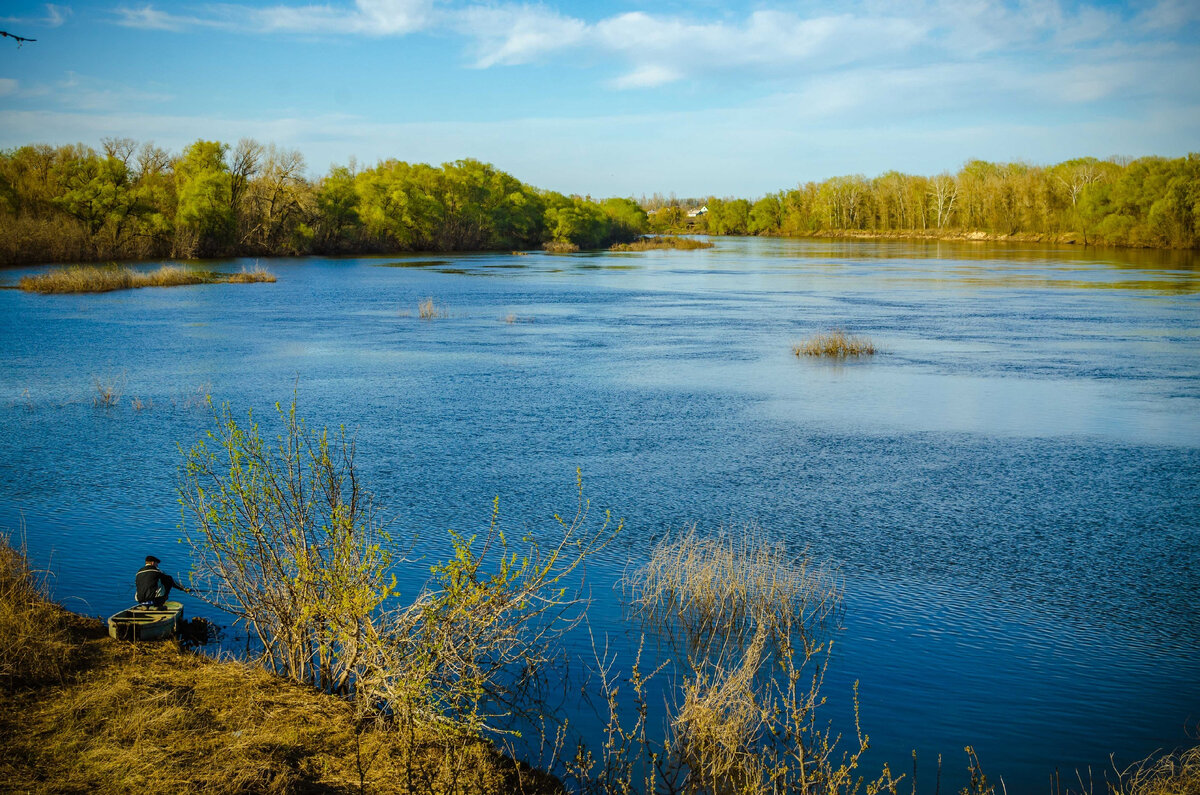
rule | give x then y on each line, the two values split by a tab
1010	488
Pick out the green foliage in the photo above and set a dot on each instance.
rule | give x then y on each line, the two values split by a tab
285	538
204	217
1152	201
75	204
72	204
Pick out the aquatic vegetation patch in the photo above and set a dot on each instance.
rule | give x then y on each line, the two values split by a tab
428	310
413	263
662	241
560	247
107	278
836	344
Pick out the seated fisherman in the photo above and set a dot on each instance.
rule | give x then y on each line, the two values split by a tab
154	586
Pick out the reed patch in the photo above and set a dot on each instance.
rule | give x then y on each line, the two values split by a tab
836	344
662	241
107	278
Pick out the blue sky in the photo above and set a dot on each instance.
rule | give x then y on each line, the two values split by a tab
622	98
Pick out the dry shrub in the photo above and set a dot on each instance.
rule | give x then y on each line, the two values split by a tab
1172	774
836	344
560	247
745	622
662	241
475	645
34	642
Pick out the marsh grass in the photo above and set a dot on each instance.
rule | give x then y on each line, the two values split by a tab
256	275
559	247
428	310
109	389
745	623
34	645
836	344
662	241
107	278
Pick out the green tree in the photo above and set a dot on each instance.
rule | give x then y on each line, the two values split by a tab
204	219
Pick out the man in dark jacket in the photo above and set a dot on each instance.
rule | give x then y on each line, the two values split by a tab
153	586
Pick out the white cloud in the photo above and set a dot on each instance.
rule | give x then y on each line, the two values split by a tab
517	34
365	17
647	77
8	86
55	15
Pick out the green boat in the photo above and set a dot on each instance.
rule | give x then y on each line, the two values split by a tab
146	623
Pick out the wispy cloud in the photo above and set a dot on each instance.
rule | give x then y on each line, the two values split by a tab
8	86
54	16
365	17
516	34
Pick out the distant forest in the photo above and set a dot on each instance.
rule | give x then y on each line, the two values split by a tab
131	201
138	201
1149	202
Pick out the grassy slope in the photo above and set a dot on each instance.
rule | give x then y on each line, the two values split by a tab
80	712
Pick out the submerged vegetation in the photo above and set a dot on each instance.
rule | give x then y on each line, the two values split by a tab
662	241
1149	202
106	278
76	204
836	344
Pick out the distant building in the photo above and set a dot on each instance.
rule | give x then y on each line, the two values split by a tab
697	213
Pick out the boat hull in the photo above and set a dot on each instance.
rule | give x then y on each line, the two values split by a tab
146	623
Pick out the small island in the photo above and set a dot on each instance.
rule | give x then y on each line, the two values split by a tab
106	278
662	241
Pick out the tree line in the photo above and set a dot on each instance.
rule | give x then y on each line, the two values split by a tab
1147	202
138	201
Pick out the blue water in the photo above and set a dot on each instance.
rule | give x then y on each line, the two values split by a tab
1010	489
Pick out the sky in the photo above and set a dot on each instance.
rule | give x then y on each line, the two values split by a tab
625	98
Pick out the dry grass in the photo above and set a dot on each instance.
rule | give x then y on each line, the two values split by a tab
106	278
1172	774
34	646
727	588
428	310
256	275
83	713
109	388
558	247
836	344
662	241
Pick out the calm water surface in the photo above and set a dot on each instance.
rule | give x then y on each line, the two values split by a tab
1011	489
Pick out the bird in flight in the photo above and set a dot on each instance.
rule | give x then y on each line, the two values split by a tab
20	39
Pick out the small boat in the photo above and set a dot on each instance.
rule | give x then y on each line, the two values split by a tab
146	623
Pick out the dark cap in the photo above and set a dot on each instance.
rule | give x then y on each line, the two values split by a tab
152	559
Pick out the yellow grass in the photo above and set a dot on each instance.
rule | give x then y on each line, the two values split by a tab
34	647
1173	774
662	241
106	278
556	247
428	310
836	344
255	275
80	712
